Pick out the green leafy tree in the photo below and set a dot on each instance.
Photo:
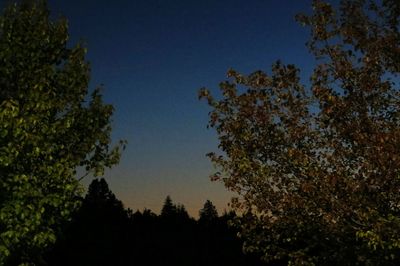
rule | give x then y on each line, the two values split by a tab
49	128
317	166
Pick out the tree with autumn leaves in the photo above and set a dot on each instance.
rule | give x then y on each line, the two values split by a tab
316	165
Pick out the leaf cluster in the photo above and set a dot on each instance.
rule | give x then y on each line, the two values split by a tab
316	166
49	127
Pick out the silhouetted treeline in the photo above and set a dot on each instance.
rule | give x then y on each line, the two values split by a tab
102	232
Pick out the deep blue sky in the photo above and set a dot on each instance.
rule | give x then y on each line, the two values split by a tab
152	57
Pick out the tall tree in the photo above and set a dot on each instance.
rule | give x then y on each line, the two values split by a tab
98	233
209	213
317	167
102	201
169	209
50	126
182	213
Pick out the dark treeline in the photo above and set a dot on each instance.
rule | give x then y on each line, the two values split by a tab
103	232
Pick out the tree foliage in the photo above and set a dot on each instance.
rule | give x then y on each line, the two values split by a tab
173	212
97	234
169	208
316	166
49	128
102	201
103	233
209	213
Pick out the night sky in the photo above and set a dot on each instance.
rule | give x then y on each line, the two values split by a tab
152	57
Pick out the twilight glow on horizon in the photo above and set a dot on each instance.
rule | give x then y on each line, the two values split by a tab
152	57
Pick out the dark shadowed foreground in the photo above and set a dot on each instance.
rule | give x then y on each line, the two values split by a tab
104	233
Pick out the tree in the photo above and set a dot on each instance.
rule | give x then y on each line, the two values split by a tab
98	232
316	165
169	209
209	213
182	213
101	201
49	128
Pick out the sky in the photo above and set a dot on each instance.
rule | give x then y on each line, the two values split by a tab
152	57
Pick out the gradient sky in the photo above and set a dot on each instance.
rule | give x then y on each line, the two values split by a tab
152	57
